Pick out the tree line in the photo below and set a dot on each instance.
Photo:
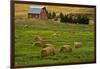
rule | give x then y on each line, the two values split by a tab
69	18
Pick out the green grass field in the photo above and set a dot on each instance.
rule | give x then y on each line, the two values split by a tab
26	54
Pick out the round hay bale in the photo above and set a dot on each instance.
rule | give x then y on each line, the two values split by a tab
65	48
38	44
54	34
77	44
38	41
38	38
45	52
25	26
47	45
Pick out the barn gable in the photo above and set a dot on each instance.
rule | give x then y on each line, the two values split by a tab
39	12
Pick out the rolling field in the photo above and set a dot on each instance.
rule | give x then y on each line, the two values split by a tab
22	9
27	54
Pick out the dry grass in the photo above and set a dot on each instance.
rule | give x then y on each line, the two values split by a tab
22	9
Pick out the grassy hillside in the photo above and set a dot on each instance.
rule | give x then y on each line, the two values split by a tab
26	54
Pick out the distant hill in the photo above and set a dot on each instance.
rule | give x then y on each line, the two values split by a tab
21	10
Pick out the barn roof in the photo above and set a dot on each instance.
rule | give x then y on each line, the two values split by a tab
35	9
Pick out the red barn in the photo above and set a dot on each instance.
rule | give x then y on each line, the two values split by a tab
38	12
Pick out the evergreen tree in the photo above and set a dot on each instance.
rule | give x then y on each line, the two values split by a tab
61	15
53	15
66	18
49	15
62	19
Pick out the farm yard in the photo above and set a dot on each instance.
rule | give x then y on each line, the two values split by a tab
55	33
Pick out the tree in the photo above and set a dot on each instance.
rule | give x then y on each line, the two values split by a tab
49	15
82	19
61	15
53	15
63	18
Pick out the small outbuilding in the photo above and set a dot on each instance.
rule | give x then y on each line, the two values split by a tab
38	12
